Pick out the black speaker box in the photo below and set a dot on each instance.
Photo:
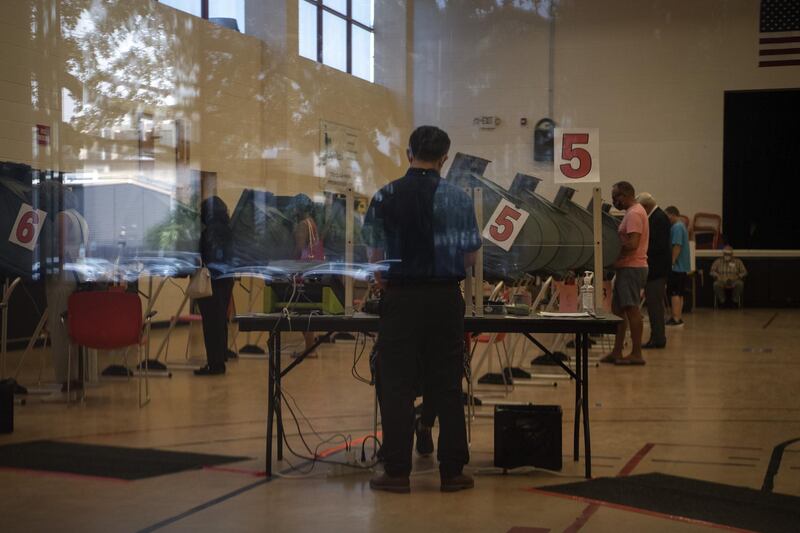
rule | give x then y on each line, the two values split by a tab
6	406
527	435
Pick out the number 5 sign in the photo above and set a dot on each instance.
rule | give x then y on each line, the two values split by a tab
577	155
505	224
26	229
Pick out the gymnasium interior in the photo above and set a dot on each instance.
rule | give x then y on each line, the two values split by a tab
123	123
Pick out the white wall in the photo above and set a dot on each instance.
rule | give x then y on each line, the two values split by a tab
650	74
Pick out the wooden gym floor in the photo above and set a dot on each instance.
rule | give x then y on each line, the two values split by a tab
712	406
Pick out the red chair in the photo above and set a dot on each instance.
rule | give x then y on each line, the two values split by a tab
688	224
108	320
707	224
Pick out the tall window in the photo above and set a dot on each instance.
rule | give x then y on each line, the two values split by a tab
340	34
212	9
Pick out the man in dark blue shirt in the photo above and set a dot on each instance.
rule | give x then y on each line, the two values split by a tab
425	230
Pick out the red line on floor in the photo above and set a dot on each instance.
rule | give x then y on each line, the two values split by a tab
635	460
68	475
330	451
582	519
596	504
593	507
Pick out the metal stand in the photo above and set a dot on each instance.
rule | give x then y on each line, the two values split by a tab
251	348
8	289
597	216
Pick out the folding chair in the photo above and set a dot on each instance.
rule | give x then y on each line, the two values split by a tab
707	224
108	320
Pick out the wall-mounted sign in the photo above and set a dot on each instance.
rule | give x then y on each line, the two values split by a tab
42	135
577	155
338	155
505	224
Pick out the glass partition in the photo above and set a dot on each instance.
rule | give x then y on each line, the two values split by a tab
153	126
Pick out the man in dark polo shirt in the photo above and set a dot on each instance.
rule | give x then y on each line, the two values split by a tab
659	264
425	230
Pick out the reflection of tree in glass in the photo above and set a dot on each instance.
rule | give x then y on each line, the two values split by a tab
243	101
120	57
181	231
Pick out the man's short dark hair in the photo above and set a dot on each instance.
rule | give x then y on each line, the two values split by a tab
672	210
428	143
625	188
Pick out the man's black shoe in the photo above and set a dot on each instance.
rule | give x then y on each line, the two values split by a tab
650	345
424	438
456	483
209	371
230	354
389	483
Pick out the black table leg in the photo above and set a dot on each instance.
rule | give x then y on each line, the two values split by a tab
576	433
278	394
587	446
270	398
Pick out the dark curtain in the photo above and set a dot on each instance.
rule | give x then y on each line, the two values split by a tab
761	169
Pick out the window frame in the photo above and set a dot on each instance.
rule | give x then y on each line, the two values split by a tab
204	11
349	20
203	8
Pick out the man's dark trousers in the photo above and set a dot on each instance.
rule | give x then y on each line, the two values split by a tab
654	293
214	311
421	336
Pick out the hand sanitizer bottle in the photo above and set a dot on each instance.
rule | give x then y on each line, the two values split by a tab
587	292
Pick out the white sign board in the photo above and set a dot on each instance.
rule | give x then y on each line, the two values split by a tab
25	230
576	155
338	155
505	224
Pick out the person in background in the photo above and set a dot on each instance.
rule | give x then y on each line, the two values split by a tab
216	241
307	245
631	274
425	229
659	259
728	273
681	265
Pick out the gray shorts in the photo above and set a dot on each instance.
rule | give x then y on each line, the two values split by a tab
628	287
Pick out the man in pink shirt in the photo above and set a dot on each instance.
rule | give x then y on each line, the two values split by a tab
631	278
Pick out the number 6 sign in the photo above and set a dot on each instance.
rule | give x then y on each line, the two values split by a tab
505	224
25	230
577	157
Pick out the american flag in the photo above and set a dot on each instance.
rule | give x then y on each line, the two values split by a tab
779	33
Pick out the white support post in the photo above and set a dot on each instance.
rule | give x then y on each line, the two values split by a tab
349	213
597	215
478	201
468	281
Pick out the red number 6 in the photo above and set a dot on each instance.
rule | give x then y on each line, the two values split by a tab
26	229
568	153
505	220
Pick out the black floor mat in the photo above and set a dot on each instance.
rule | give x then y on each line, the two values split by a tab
104	461
700	500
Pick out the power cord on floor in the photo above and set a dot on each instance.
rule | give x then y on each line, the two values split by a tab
357	355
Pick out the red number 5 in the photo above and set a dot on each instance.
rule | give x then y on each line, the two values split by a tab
505	221
26	229
568	153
